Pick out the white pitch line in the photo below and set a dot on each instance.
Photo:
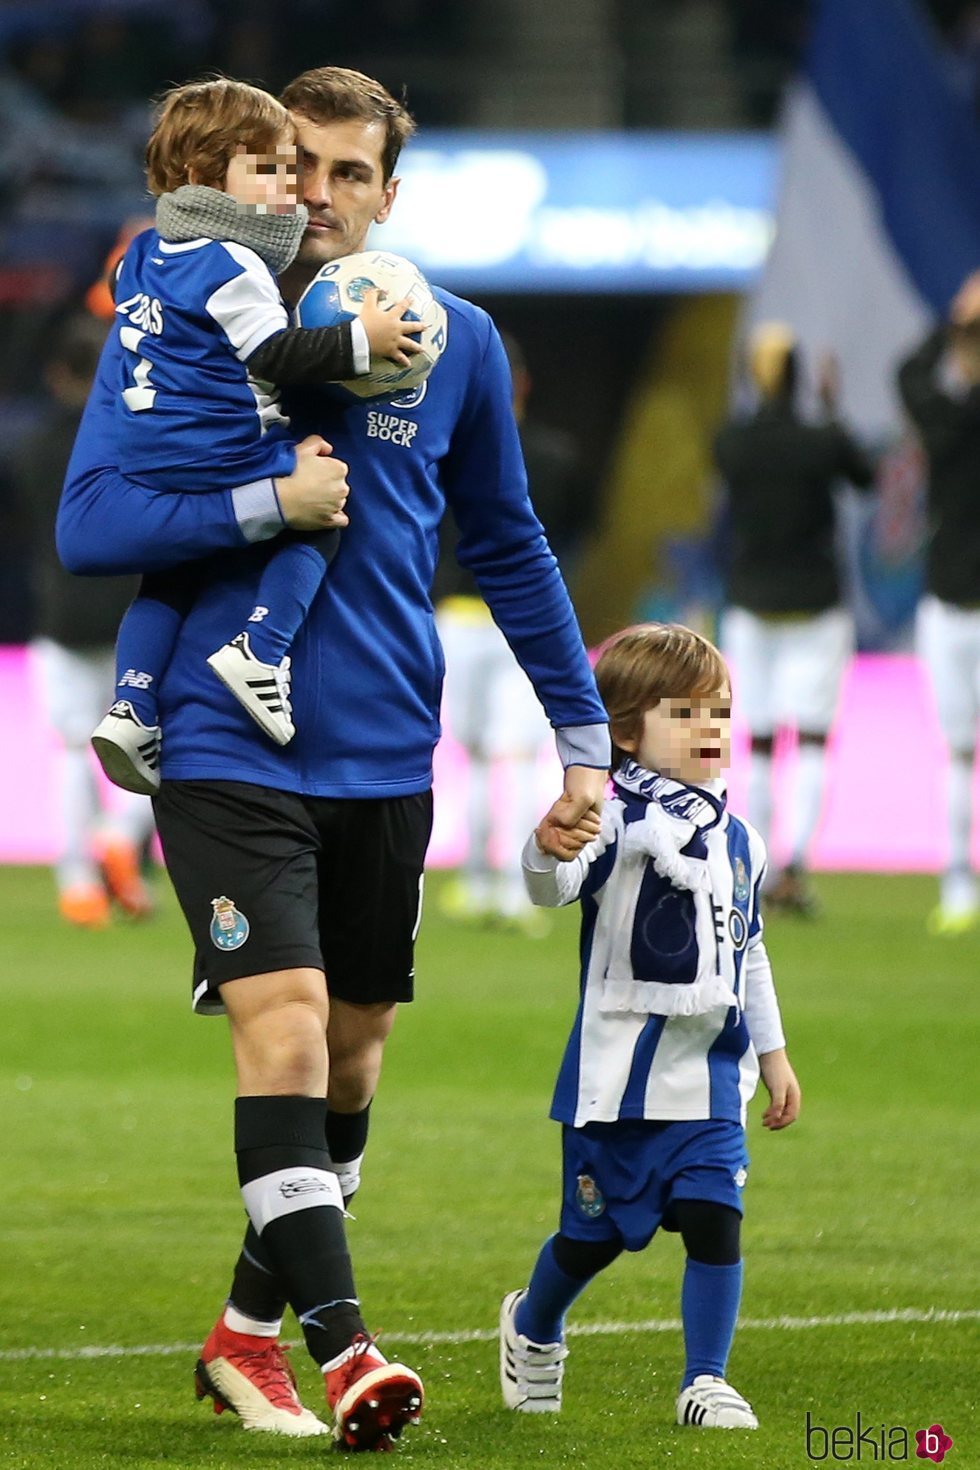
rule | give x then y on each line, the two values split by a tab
487	1334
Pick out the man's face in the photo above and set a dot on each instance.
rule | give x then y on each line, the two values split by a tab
343	186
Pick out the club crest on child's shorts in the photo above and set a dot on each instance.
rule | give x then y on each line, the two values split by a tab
588	1197
229	926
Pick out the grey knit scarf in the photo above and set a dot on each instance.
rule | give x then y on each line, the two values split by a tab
195	212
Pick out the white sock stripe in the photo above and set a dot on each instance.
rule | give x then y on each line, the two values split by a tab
237	1321
349	1174
287	1191
336	1362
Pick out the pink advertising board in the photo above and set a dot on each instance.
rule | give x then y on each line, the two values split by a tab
883	810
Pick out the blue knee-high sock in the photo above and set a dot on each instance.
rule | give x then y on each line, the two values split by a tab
144	646
541	1315
709	1309
291	579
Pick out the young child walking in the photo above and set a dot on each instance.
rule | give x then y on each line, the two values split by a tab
676	1018
202	335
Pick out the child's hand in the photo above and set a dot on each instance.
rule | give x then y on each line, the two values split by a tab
576	817
783	1089
386	329
565	843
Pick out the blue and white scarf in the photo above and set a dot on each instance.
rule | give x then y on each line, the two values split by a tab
676	816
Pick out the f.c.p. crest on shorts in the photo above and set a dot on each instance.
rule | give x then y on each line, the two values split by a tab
588	1197
229	926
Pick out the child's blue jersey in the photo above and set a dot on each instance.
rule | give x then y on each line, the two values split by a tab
367	667
187	414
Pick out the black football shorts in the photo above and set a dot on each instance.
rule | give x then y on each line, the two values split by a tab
269	880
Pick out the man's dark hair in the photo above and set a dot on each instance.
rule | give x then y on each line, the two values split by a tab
334	94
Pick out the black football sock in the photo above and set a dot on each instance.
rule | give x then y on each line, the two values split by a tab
256	1290
294	1203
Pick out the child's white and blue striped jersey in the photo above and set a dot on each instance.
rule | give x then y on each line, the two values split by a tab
676	995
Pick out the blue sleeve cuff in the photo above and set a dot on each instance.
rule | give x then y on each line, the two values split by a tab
257	510
585	745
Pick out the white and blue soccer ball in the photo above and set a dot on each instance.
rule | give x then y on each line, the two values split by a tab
336	294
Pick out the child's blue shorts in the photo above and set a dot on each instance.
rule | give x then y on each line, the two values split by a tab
619	1179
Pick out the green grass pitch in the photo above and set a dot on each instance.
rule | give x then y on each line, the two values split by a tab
119	1218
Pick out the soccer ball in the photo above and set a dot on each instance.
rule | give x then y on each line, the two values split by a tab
336	294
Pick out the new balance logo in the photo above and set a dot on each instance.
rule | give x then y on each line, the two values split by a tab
135	680
258	614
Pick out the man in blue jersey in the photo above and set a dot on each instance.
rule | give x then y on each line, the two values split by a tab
299	861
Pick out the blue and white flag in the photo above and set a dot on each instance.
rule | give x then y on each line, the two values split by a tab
878	220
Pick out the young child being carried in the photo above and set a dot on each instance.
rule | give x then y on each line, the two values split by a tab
202	335
676	1018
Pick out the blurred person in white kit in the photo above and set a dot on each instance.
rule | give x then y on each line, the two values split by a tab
940	388
785	629
489	705
73	655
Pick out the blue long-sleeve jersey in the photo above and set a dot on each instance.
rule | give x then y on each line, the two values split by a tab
367	668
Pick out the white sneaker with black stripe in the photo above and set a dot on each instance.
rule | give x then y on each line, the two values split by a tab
711	1403
128	750
531	1373
261	689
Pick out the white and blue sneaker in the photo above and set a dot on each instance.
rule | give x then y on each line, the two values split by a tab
261	689
711	1403
531	1373
128	750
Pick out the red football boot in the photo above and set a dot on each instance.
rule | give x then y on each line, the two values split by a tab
251	1376
372	1400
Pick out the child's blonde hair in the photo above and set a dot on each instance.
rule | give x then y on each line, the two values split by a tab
640	666
201	125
